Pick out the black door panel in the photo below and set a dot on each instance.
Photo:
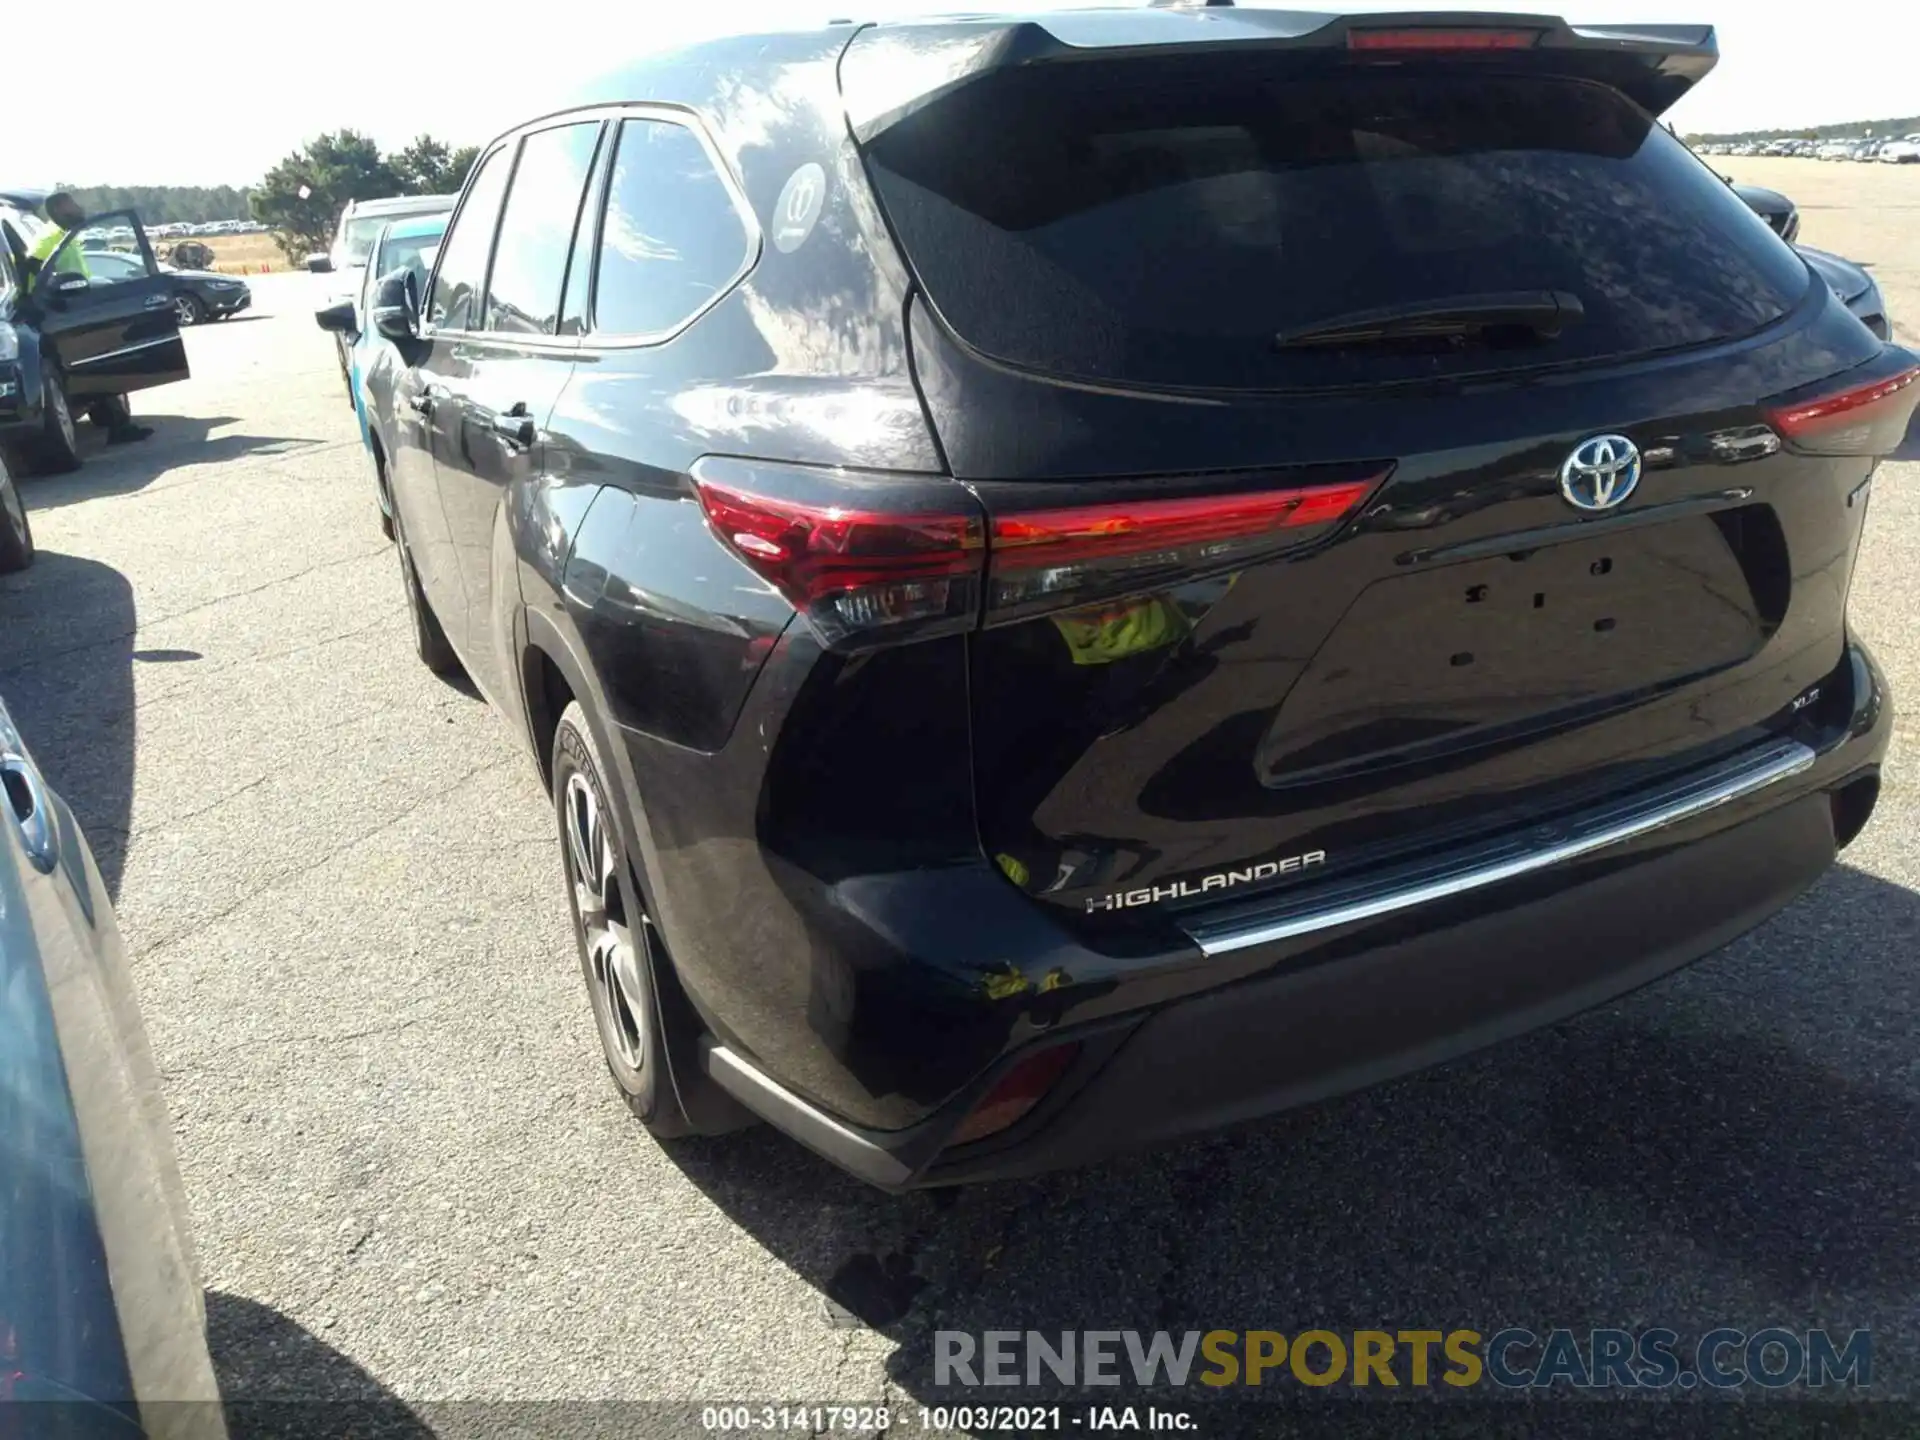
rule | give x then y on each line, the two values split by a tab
503	381
488	435
112	334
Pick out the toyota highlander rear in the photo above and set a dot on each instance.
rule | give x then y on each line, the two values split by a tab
1387	579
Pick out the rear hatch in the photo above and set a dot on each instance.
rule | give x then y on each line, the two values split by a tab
1379	432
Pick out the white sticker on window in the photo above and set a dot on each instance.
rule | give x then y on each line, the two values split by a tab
798	207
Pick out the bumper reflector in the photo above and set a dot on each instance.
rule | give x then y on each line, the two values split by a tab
1015	1093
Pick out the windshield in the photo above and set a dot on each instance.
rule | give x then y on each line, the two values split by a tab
357	241
29	227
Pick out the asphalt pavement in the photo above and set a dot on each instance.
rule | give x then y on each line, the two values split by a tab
409	1177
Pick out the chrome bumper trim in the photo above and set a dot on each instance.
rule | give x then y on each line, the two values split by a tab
1537	848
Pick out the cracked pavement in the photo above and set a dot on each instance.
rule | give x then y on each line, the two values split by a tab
339	888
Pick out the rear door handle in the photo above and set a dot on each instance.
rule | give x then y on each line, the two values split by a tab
29	808
515	427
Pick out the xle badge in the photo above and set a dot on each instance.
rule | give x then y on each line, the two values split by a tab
1220	880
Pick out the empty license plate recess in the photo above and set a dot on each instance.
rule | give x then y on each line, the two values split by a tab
1493	643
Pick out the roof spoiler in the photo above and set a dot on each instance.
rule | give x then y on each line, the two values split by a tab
889	72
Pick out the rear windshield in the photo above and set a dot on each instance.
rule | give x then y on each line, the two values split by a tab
1082	220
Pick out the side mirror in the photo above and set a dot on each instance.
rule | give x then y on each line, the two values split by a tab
339	318
320	264
396	311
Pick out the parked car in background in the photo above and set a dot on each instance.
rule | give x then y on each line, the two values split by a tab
1780	213
402	246
71	344
101	1308
1901	152
16	531
974	756
1855	287
1851	282
198	295
359	224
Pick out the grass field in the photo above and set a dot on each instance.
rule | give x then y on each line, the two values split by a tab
240	254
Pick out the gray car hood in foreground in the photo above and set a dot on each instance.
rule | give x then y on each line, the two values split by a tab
100	1298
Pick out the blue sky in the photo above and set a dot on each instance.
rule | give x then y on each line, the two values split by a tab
124	100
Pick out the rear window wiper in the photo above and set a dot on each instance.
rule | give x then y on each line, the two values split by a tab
1542	313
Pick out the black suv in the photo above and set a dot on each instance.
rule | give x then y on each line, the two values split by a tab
1083	577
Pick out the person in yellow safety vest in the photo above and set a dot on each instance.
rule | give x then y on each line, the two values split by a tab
67	216
1100	637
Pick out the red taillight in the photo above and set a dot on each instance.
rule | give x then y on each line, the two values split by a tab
1051	558
1015	1093
1863	419
1429	39
860	555
876	558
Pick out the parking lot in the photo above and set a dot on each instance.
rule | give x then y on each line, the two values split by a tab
339	886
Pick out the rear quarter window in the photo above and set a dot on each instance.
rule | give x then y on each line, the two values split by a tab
672	239
1163	230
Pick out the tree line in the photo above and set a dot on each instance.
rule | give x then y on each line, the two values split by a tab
332	169
164	204
301	198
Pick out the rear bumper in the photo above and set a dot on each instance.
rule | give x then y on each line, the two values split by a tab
1317	1011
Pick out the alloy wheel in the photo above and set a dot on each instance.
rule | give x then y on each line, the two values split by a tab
184	310
62	416
616	942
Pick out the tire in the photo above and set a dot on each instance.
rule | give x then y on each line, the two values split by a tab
187	308
57	447
429	638
112	411
16	531
620	948
383	497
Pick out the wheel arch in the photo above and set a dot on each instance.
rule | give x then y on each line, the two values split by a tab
553	674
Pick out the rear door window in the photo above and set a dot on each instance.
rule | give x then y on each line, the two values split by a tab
455	302
673	238
536	229
1164	229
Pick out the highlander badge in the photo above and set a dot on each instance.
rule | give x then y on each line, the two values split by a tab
1220	880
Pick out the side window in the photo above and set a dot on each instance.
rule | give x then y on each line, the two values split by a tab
455	302
114	265
88	256
370	277
672	238
575	303
530	262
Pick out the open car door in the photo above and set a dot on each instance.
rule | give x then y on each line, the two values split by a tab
110	333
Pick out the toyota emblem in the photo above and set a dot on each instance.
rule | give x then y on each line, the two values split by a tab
1600	473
